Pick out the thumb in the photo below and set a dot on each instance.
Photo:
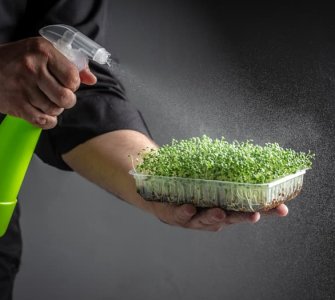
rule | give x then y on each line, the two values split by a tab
87	77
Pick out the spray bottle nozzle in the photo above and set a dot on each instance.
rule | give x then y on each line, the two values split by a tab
76	46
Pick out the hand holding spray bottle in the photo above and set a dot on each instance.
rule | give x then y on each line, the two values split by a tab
18	138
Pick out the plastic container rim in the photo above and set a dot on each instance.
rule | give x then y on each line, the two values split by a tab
268	184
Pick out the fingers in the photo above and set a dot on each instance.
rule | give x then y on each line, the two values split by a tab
215	219
41	101
39	82
67	73
37	118
208	217
184	213
173	214
39	110
242	217
209	220
59	95
87	77
54	80
281	211
64	71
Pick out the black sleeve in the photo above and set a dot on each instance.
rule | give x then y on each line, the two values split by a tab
89	16
101	108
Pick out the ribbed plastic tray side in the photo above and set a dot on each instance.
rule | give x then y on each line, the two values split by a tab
211	193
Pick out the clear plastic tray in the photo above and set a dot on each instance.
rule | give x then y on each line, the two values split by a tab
212	193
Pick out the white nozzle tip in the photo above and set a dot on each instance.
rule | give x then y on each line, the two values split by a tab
102	56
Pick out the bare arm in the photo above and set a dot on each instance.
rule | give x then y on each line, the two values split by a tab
104	161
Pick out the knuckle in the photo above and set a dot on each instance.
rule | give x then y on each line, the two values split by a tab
67	98
29	64
53	110
181	221
37	52
39	46
51	123
72	80
209	220
34	118
25	108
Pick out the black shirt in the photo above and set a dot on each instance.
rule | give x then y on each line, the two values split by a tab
101	108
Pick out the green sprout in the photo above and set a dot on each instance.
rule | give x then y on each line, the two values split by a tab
217	159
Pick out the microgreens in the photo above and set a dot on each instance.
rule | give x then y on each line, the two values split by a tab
205	158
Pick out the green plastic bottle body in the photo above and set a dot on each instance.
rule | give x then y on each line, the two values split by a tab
18	140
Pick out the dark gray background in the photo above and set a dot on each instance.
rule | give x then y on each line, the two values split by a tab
261	73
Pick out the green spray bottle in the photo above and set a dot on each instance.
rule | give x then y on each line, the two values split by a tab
18	138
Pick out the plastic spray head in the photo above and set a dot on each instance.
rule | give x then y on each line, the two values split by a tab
77	47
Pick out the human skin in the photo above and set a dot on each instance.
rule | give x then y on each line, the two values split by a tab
104	160
37	82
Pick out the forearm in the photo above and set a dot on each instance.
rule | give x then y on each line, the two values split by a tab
104	160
